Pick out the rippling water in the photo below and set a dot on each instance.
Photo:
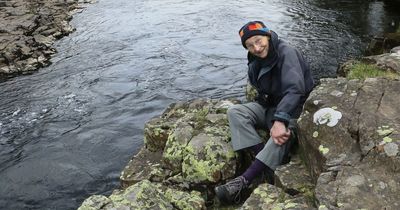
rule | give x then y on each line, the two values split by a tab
68	130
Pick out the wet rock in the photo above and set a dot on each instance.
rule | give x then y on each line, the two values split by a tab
28	30
46	41
380	45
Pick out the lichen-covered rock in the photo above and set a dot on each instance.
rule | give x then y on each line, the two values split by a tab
146	195
251	92
176	144
145	165
188	146
208	158
156	134
94	202
142	195
185	200
268	196
197	144
295	179
355	162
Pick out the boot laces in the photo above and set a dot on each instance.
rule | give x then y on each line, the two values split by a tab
235	187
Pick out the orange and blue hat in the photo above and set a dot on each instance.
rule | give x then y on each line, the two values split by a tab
253	28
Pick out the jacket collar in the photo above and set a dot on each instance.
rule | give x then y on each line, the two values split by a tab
260	66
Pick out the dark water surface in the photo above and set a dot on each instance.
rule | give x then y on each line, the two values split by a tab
68	130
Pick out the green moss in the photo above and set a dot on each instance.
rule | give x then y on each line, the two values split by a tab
200	118
308	192
251	92
363	71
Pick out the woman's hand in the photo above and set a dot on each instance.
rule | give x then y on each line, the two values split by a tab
279	133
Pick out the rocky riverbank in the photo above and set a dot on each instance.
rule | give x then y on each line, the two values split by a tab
349	138
28	30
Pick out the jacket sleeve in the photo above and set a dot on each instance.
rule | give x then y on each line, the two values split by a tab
292	85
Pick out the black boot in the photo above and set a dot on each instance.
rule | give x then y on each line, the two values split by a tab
231	192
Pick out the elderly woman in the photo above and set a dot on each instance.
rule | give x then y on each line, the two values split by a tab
283	81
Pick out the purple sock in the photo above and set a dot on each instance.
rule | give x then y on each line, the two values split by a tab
257	148
254	170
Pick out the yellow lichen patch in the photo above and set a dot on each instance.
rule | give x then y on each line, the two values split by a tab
323	149
290	205
322	207
384	130
277	208
387	139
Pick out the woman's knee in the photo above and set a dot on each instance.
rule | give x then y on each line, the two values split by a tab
234	110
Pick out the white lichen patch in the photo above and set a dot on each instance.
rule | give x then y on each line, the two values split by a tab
391	149
382	185
354	93
337	93
334	107
327	115
315	134
323	150
316	102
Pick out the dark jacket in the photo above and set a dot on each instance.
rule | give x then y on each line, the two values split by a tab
282	79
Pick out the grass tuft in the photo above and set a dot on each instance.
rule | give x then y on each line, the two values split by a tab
363	71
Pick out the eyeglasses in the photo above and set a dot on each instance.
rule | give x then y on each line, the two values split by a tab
251	46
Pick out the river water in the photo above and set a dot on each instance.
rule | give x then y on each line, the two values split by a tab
67	131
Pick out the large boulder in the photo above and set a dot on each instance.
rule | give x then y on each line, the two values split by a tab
198	141
188	146
350	134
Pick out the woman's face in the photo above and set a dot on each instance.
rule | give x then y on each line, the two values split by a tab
258	45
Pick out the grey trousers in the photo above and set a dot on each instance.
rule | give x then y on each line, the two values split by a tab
243	121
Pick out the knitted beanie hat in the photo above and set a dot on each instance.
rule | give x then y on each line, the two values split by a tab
253	28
